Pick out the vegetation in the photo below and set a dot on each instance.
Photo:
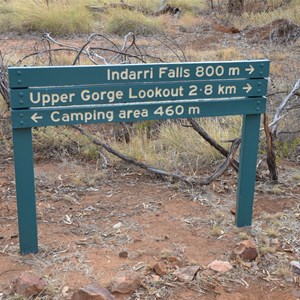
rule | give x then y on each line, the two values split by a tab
170	140
66	197
58	17
255	15
119	21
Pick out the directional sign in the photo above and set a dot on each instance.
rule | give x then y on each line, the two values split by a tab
133	112
81	75
137	92
53	96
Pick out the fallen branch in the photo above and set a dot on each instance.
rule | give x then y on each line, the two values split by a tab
191	181
212	142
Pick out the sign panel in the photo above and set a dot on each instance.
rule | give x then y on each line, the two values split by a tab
133	112
82	75
137	92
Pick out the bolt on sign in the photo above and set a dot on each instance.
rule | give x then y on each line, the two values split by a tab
54	96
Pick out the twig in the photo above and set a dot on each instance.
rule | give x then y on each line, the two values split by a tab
4	91
271	156
212	142
277	117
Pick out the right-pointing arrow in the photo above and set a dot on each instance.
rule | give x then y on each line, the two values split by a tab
35	117
250	69
247	88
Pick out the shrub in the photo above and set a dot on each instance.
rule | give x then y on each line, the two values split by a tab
121	22
189	5
58	17
177	147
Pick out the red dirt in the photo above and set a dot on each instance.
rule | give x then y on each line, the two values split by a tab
78	243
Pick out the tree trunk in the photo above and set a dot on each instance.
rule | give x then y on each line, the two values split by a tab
236	7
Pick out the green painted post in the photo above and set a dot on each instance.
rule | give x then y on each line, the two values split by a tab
247	169
24	173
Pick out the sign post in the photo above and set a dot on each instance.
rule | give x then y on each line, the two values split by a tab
54	96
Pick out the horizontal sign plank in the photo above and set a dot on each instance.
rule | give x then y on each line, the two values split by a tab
133	112
80	75
137	92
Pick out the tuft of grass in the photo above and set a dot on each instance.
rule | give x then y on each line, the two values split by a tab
272	232
284	271
189	5
263	250
244	235
286	148
121	22
276	190
59	17
296	176
216	231
62	141
290	12
228	54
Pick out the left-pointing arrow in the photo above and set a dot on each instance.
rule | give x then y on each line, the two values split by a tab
35	117
247	88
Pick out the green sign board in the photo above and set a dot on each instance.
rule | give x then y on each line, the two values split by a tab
136	92
54	96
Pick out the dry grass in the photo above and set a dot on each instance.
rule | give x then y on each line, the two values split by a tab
290	12
121	22
62	142
179	148
189	5
60	17
228	54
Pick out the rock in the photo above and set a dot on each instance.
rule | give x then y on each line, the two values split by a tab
155	278
117	226
123	254
220	266
125	282
246	250
65	291
233	210
160	269
29	284
92	292
296	266
174	261
186	274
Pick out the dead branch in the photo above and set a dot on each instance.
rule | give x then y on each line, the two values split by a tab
212	142
271	156
271	131
127	53
191	181
4	91
223	167
282	107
